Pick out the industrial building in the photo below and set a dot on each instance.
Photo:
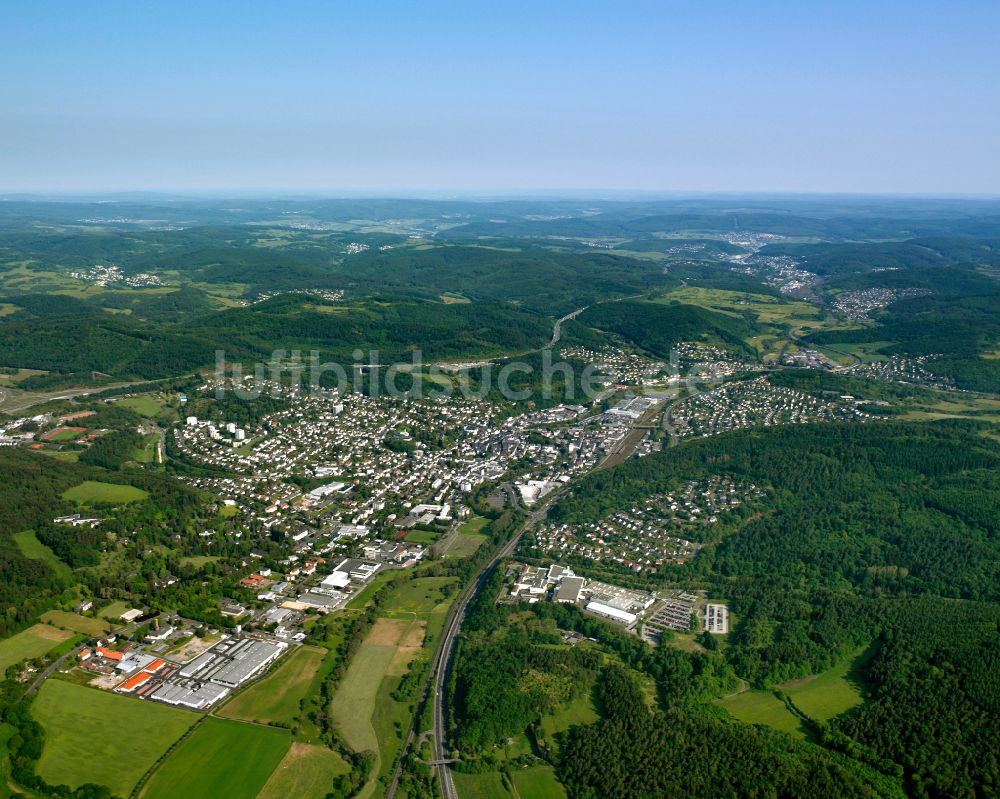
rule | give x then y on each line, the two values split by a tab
231	663
609	612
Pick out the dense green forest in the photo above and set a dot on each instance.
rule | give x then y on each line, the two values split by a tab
880	535
396	327
659	327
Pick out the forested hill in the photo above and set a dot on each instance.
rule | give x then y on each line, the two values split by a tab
124	347
879	532
659	327
909	508
536	278
31	497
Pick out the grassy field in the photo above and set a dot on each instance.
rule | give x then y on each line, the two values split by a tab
220	759
362	707
422	537
833	692
306	772
763	707
417	597
31	643
276	697
462	546
144	405
579	711
469	538
64	434
473	526
360	599
114	611
77	623
93	491
488	785
538	782
354	701
96	736
766	309
32	548
199	560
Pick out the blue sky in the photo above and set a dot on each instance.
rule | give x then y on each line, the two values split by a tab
406	98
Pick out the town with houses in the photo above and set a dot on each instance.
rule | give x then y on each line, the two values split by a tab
389	480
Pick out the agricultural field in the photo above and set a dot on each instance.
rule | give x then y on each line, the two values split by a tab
306	772
31	643
32	548
77	623
538	782
96	736
354	702
203	764
275	699
91	491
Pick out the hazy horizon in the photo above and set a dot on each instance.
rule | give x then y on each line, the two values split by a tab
883	98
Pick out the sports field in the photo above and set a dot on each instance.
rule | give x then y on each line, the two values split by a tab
220	759
143	405
306	772
31	643
60	434
276	698
77	623
94	491
97	736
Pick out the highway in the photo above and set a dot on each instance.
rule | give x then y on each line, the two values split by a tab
442	662
440	669
557	327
